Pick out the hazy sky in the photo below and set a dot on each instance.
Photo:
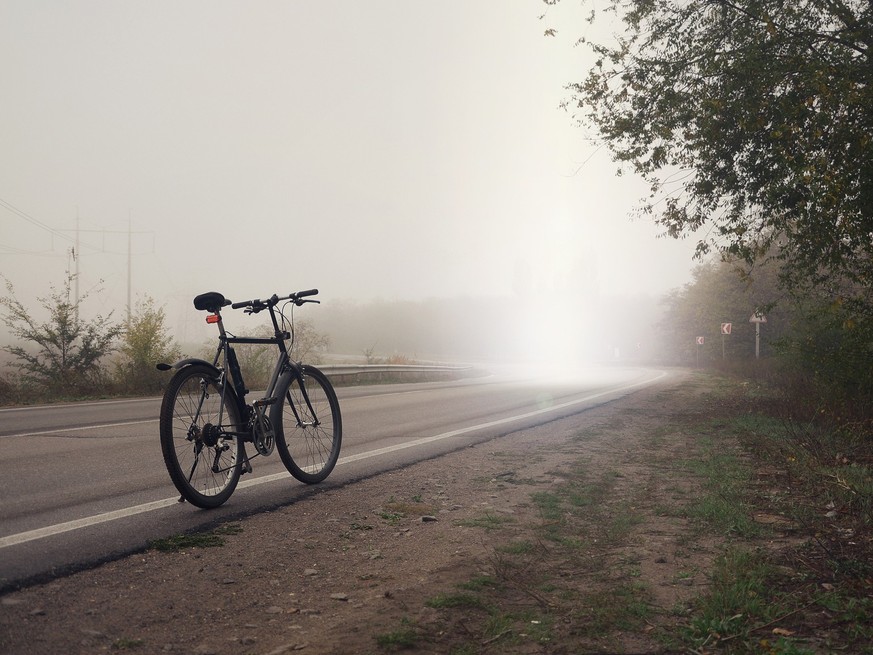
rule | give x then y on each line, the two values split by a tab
374	149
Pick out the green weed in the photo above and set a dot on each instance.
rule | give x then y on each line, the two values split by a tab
488	522
444	601
211	539
406	636
125	643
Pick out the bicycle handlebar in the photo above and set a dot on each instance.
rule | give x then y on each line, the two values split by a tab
297	298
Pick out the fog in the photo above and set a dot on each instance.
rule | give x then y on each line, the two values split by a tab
384	152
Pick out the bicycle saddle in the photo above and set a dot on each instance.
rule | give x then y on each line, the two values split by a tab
211	301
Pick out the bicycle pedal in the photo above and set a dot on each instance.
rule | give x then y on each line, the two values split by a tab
264	402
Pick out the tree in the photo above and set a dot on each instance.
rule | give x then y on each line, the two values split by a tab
145	343
66	351
309	343
753	118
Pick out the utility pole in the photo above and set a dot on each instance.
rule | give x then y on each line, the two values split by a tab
76	259
76	254
129	265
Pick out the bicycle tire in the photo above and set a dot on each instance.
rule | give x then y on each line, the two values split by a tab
206	475
308	445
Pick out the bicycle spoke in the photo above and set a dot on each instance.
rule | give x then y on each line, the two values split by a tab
189	419
310	427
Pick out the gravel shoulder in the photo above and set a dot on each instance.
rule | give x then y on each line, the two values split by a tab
565	538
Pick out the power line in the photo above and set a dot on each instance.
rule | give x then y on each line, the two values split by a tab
30	219
12	250
61	235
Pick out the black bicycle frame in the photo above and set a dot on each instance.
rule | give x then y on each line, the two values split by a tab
231	367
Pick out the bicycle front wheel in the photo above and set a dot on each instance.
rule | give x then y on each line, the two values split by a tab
308	424
200	450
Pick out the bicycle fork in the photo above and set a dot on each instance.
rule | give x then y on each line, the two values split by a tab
301	423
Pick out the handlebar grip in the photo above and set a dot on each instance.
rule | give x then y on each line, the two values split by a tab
308	292
244	303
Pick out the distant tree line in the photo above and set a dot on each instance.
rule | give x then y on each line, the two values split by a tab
816	335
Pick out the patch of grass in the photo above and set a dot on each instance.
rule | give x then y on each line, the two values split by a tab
405	637
624	517
852	612
392	517
724	506
444	601
549	504
586	495
212	539
571	542
465	649
499	626
125	643
407	508
738	600
517	548
488	522
624	606
479	583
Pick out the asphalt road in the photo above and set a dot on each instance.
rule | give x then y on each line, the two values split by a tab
85	482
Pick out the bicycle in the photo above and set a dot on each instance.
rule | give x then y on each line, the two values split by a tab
205	420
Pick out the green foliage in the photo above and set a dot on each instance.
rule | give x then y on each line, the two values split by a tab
752	118
64	353
834	344
145	343
308	342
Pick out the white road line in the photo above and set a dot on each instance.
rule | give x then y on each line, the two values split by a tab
79	429
60	528
27	408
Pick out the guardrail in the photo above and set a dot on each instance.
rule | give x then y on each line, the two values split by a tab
350	373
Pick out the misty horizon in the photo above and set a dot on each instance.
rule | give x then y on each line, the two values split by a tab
379	153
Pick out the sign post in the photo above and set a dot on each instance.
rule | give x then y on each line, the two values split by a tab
758	318
725	330
699	343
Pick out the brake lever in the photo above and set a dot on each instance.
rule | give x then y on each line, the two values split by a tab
300	301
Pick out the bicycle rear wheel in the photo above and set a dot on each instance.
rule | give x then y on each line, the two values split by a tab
203	460
308	424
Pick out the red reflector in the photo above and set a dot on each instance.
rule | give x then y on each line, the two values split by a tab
213	318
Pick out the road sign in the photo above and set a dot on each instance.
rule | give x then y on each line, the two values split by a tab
758	317
699	341
725	328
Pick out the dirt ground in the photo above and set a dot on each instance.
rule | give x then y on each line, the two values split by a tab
466	553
